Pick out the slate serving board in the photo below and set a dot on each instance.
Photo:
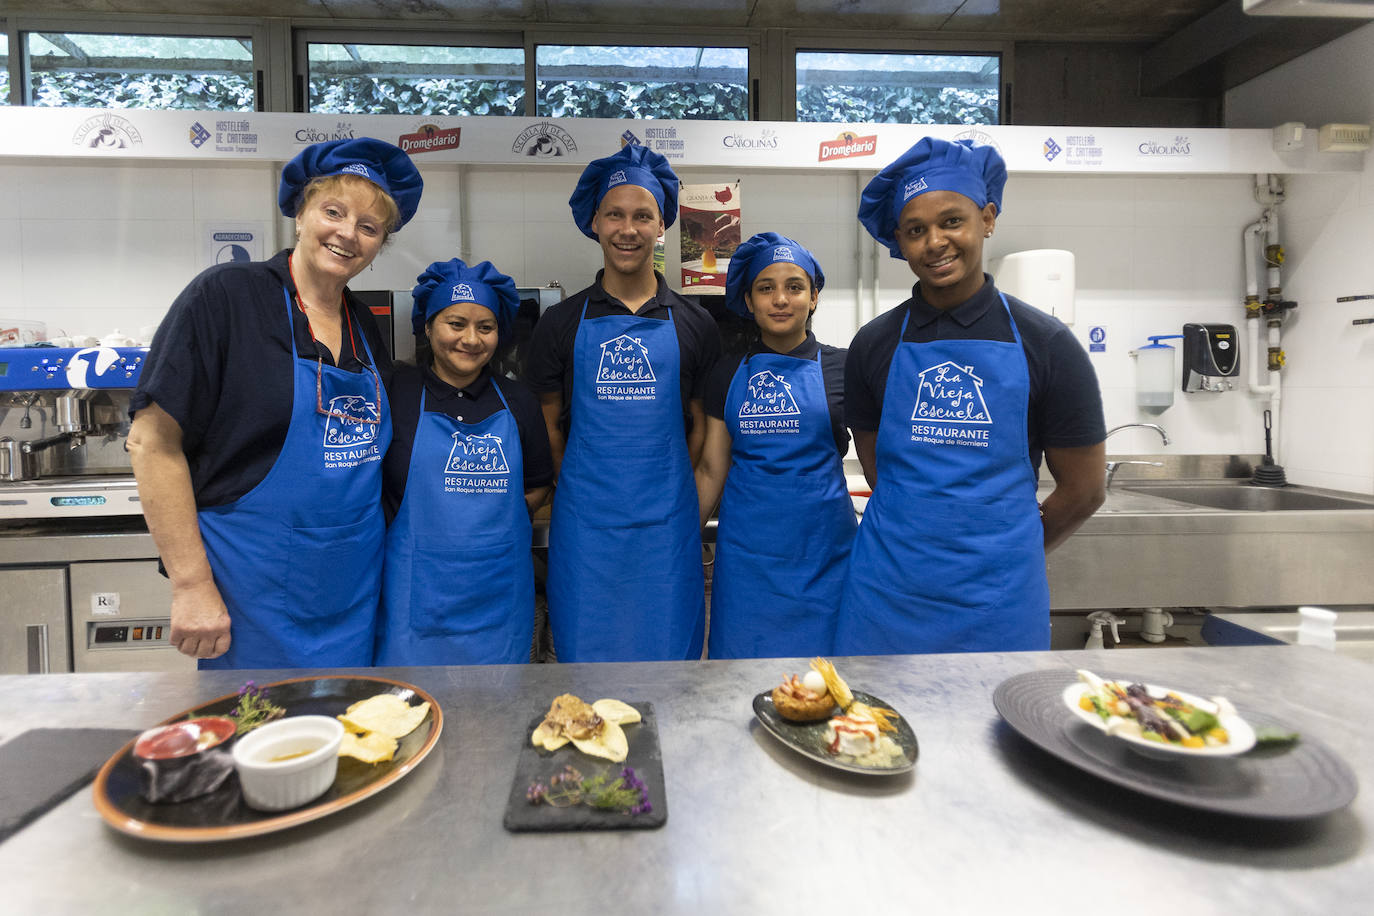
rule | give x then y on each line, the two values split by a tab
646	757
43	766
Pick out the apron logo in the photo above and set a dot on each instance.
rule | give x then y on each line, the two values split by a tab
951	393
341	434
479	455
769	396
624	360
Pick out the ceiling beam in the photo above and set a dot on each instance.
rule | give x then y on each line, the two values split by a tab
1199	45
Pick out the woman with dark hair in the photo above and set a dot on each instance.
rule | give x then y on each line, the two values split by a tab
468	464
775	444
259	426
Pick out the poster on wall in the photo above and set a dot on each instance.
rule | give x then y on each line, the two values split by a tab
227	242
709	215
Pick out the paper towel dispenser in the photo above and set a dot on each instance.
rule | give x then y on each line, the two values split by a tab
1042	277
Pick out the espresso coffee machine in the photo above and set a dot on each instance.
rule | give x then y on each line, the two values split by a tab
65	421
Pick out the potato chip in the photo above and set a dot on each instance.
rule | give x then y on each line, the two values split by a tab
611	743
548	737
616	711
385	714
369	748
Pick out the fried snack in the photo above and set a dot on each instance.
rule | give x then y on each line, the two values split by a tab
593	728
796	703
833	682
370	747
876	714
385	714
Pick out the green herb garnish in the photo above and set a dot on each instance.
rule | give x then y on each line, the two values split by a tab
254	708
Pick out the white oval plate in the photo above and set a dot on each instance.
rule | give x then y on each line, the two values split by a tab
1241	734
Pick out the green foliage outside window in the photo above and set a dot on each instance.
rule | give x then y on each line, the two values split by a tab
903	105
624	99
217	92
458	97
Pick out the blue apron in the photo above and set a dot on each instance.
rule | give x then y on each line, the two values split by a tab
298	558
458	584
950	555
786	519
625	580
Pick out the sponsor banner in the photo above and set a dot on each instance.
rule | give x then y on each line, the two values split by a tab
709	215
276	137
847	145
544	140
429	137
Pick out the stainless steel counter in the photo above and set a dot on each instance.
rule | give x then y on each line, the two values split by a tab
986	824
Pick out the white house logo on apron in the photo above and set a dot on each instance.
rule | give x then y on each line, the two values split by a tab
476	464
950	409
769	406
349	444
624	372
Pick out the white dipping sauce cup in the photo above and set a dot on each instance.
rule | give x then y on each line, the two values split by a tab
274	773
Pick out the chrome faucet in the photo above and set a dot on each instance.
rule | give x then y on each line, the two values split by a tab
1113	465
1156	427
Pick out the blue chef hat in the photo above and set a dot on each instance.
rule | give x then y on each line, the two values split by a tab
386	166
977	172
756	255
446	283
634	164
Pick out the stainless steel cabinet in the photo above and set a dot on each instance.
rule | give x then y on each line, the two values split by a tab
120	614
34	637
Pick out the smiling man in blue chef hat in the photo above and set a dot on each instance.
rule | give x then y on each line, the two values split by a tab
619	369
953	397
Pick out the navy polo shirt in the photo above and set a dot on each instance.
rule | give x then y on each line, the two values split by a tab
221	366
832	375
1065	403
548	361
472	404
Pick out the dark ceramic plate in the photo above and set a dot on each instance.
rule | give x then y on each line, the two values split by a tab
222	815
808	738
645	757
1292	782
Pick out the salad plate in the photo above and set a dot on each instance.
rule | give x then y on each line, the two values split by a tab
1242	736
808	738
1303	780
223	815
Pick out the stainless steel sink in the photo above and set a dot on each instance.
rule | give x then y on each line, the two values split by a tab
1243	496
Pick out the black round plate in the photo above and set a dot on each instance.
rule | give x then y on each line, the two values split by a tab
1296	781
808	738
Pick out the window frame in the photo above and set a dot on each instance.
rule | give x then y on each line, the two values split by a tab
648	38
840	43
303	35
256	29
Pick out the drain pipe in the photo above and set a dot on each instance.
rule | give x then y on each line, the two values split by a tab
1268	191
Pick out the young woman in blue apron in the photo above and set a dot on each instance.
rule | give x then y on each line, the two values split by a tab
286	573
950	555
625	577
786	521
458	582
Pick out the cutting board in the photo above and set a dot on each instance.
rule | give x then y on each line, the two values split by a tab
537	764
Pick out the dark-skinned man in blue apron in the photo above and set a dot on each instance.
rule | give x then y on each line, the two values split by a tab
619	368
775	441
953	397
260	422
469	461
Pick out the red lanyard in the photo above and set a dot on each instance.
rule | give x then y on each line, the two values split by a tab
343	306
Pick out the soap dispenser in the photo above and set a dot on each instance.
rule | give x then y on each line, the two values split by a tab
1155	374
1211	358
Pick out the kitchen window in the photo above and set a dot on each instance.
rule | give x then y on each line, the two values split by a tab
4	69
642	81
893	88
103	70
346	77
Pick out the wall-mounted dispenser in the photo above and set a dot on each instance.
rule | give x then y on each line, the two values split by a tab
1211	357
1042	277
1155	374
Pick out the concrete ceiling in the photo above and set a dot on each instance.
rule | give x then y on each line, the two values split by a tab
1189	47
